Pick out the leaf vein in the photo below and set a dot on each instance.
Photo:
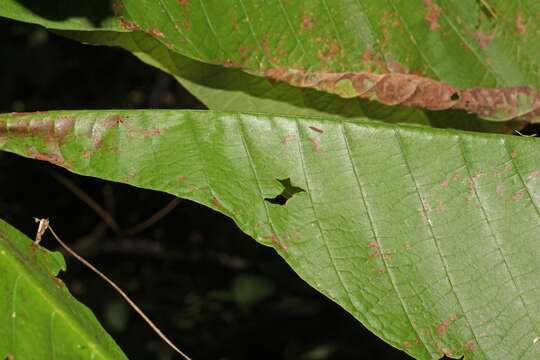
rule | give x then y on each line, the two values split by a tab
378	239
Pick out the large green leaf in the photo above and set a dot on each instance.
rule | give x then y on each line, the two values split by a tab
391	51
429	237
417	36
40	318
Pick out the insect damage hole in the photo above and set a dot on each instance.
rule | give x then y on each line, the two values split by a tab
288	192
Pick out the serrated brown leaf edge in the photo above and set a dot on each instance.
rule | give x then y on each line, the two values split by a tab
498	104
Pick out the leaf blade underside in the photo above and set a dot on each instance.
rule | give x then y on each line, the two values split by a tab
411	230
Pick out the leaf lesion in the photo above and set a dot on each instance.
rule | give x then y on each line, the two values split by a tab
496	104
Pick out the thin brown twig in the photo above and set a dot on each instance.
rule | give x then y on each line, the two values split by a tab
44	225
153	219
98	209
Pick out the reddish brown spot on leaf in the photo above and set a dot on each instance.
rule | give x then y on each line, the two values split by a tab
386	254
229	63
183	2
414	90
59	283
432	17
316	129
277	243
330	51
499	190
155	32
128	25
52	131
56	159
483	39
286	141
534	174
307	22
265	45
15	128
316	143
447	352
3	130
63	126
445	183
367	56
243	53
116	120
442	327
181	178
470	346
520	25
217	204
518	195
28	113
373	245
187	24
41	128
395	67
101	128
373	61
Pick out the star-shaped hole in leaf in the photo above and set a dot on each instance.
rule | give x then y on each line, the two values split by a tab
288	192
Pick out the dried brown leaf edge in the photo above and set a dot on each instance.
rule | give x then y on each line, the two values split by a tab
496	104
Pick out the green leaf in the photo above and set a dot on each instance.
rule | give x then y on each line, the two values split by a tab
429	237
436	55
40	318
414	36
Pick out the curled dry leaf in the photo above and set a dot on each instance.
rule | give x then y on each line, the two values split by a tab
499	104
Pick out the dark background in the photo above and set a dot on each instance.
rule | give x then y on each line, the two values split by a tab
211	288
